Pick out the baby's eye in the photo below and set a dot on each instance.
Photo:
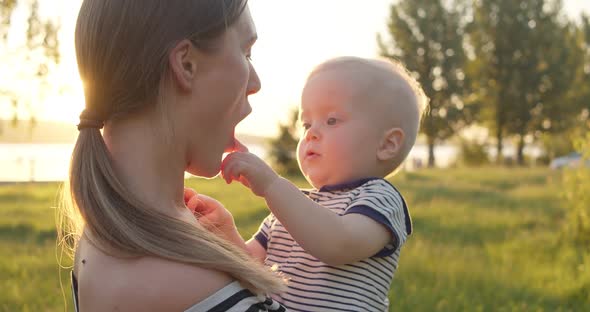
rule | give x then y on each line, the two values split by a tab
305	126
331	121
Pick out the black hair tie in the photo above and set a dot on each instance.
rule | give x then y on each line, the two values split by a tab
89	122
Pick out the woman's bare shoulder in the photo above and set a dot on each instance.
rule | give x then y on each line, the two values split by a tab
171	286
142	284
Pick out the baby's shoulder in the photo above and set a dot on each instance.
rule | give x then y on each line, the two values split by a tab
377	187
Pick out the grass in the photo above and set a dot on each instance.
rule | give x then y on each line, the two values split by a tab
485	240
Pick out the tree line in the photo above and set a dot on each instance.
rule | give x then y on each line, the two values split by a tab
519	68
40	51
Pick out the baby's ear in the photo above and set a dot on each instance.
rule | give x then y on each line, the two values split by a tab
391	144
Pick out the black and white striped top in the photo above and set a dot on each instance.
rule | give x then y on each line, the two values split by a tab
361	286
235	298
231	298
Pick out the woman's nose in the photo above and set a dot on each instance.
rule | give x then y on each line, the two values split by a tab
254	83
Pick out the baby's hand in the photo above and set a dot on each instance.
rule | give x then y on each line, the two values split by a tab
249	170
209	212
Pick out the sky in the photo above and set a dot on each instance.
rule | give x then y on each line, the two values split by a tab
294	36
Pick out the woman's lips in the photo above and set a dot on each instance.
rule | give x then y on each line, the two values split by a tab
239	147
235	146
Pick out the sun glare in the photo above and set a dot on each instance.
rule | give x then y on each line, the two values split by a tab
286	51
65	106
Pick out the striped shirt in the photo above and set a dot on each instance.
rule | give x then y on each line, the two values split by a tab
231	298
235	298
360	286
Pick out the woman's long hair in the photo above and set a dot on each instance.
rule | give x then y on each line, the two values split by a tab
122	49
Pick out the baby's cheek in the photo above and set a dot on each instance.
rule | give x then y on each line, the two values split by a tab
300	148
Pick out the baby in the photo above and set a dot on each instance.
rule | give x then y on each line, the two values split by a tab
339	243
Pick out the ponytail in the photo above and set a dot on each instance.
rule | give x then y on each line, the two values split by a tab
97	204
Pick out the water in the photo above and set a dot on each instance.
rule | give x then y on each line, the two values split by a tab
46	162
34	162
50	162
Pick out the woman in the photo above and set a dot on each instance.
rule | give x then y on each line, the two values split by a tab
168	81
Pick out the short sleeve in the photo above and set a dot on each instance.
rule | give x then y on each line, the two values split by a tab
263	233
380	201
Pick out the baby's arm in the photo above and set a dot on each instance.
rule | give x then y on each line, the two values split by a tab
255	249
332	238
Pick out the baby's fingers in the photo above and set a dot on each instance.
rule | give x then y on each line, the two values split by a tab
230	168
244	181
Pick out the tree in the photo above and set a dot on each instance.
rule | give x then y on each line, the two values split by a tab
41	50
427	37
526	61
6	9
582	85
576	192
283	148
548	81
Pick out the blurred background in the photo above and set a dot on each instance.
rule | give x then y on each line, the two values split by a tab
507	79
498	182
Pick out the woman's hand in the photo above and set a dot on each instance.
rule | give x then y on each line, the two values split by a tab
210	213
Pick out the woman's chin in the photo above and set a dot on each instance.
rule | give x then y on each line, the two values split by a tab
206	176
210	172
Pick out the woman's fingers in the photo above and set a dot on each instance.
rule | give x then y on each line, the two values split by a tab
195	205
204	205
188	194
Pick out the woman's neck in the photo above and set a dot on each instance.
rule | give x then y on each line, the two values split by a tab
145	165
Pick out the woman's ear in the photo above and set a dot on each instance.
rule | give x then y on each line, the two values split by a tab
183	65
391	144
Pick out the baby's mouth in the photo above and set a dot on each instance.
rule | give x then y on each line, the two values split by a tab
311	154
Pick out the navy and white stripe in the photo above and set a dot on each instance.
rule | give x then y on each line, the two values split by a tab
360	286
231	298
235	298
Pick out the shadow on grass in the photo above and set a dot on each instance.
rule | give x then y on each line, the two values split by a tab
464	234
6	199
506	185
415	177
493	199
581	295
420	289
25	233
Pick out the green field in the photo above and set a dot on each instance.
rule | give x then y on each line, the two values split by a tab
484	240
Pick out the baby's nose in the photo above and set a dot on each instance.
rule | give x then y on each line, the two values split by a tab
312	134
